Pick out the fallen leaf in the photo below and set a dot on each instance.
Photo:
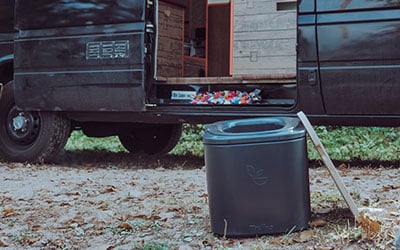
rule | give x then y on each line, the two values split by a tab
4	244
276	242
125	225
8	212
78	220
388	188
30	240
179	210
103	207
140	216
73	194
204	244
36	227
63	204
111	189
342	166
318	223
305	236
369	225
154	217
196	209
125	217
60	244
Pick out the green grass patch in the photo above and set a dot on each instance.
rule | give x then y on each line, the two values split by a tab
80	142
341	143
364	143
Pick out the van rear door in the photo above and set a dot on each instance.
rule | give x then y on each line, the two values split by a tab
80	55
359	55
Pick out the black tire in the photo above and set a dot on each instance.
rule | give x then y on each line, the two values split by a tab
154	139
30	136
129	143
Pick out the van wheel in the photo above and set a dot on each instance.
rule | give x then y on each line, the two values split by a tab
152	140
30	136
129	143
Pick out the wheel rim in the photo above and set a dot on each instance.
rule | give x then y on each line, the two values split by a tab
22	127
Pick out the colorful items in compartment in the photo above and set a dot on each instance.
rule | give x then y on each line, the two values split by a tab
227	97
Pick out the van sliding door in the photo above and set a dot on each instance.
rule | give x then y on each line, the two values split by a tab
80	55
359	54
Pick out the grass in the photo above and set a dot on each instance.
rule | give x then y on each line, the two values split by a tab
341	143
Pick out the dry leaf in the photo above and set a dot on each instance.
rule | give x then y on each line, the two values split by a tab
111	189
276	242
368	224
63	204
140	216
305	236
179	210
73	194
154	217
36	227
125	225
342	166
125	217
103	207
196	209
78	220
388	188
317	223
4	244
30	240
8	212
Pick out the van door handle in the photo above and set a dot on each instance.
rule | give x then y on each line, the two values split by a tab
312	77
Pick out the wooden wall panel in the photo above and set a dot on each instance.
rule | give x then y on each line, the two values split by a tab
194	67
170	41
218	40
264	39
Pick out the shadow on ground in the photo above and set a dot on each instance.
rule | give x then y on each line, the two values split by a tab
128	160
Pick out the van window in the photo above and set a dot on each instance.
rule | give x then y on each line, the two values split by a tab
50	13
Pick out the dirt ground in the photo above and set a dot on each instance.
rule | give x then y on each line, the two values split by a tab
100	200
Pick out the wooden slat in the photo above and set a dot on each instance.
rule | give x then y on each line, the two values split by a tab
329	164
170	40
236	79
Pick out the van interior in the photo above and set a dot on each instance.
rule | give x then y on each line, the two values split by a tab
194	54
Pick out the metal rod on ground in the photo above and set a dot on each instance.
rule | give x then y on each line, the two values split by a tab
329	164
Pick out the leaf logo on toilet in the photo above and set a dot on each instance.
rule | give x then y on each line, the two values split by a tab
257	175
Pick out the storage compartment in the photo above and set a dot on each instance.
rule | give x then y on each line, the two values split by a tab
257	176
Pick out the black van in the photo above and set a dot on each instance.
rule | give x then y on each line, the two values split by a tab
115	68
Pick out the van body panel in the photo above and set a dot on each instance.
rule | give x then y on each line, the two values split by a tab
7	16
359	56
80	56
